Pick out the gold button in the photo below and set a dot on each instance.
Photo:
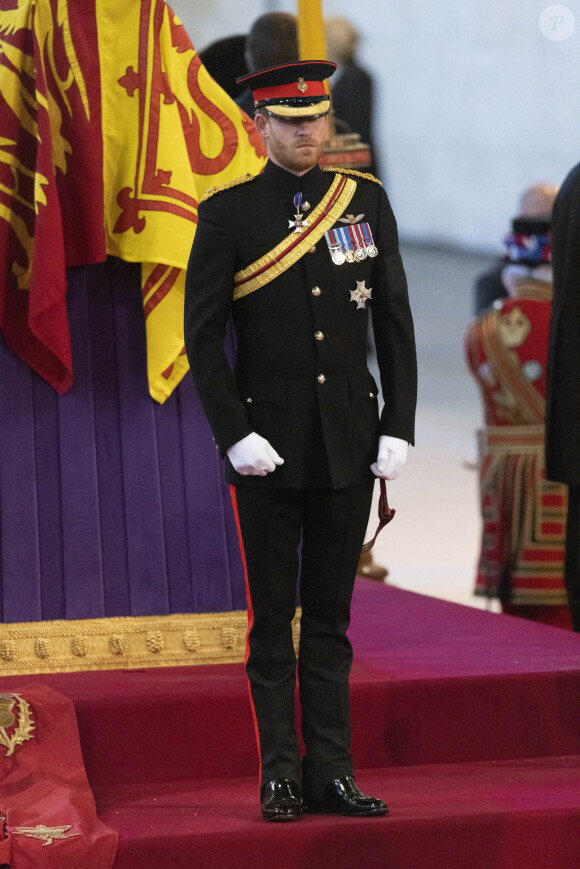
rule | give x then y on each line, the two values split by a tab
248	400
312	249
316	291
321	378
371	394
319	336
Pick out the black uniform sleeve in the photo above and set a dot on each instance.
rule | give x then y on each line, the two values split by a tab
208	302
393	331
563	383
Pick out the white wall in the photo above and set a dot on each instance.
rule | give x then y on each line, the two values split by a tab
474	103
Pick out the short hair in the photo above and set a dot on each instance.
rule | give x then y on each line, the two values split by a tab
342	39
272	40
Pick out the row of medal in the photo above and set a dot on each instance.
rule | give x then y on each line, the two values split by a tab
352	243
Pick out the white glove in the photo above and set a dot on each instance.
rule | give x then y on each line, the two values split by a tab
391	458
254	456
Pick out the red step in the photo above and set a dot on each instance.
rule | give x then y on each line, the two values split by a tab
467	722
499	815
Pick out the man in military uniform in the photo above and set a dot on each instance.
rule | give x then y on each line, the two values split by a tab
298	255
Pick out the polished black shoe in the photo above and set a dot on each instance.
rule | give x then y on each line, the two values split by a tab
281	800
343	797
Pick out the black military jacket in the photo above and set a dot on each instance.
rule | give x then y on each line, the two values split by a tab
300	378
563	379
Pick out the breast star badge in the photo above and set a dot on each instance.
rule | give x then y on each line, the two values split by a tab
361	294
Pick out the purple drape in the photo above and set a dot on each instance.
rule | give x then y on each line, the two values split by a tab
110	504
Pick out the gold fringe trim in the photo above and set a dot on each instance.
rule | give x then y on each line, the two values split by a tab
125	642
211	191
514	439
534	289
366	175
529	597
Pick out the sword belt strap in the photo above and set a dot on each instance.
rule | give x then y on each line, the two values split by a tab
292	248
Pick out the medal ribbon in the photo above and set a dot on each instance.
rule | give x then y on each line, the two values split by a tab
360	242
346	240
332	238
368	236
293	247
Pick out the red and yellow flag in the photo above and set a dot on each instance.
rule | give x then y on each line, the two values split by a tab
113	132
170	132
51	197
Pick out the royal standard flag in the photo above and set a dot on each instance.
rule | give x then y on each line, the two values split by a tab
166	132
186	135
51	188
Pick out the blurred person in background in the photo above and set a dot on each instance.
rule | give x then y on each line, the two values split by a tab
352	87
272	40
536	202
224	59
521	560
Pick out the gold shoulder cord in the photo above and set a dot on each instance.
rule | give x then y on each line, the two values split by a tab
366	175
211	191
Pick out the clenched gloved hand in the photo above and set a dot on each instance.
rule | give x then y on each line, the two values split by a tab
391	458
254	456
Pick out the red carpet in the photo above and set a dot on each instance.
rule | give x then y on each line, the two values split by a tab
467	723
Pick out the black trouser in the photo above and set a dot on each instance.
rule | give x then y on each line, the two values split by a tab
572	563
332	525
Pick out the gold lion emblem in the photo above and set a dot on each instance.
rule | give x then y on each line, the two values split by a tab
16	722
514	327
302	86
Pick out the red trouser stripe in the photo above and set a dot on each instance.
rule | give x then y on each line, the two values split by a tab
250	613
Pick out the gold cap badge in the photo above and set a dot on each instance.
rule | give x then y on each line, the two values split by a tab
302	86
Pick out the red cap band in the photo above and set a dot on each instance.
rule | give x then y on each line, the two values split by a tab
299	89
